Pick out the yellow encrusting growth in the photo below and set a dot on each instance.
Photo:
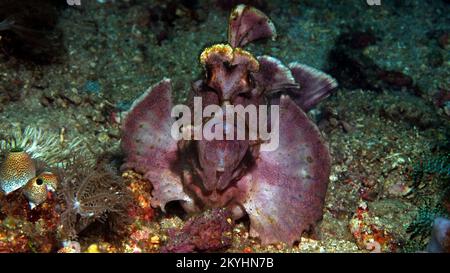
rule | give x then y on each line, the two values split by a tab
93	249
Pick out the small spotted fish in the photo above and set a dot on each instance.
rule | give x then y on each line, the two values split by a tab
16	170
37	188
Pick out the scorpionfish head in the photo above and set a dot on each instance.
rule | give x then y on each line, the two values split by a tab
228	70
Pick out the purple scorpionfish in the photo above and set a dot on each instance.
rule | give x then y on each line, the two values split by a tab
283	190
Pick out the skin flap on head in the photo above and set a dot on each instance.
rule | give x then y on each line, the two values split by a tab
247	24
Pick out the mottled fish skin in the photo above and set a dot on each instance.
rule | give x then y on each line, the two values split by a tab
37	188
16	170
